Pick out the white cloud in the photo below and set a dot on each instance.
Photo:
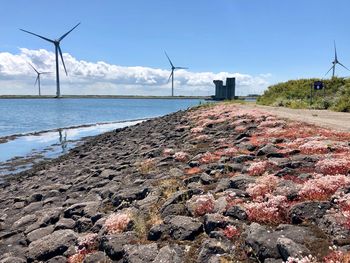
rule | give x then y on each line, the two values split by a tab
16	77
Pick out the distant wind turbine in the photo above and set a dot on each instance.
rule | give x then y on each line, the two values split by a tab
56	42
335	62
173	68
38	77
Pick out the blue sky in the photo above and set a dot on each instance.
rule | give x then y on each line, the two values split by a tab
287	39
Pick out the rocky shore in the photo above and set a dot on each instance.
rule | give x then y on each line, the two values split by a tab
212	184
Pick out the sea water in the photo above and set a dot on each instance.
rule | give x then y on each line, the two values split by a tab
47	128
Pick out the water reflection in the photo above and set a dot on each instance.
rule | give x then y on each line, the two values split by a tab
63	140
22	152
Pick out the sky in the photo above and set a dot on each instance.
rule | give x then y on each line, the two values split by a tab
119	46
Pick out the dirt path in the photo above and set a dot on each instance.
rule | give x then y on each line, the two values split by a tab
324	118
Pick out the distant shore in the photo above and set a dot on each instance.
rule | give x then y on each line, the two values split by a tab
100	97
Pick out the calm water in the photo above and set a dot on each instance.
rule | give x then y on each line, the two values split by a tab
28	115
56	119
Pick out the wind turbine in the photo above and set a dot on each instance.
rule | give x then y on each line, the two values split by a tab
173	68
56	42
38	77
335	62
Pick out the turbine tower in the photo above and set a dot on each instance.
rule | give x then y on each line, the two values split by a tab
38	77
335	62
56	42
173	68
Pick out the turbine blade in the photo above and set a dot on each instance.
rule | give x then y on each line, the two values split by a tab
169	59
172	72
330	69
47	39
59	49
180	68
335	51
45	72
343	66
36	80
33	67
62	37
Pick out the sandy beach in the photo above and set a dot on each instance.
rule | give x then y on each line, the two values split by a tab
219	183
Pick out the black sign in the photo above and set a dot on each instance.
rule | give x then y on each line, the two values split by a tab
318	85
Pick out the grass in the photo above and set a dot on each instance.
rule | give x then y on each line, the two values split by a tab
296	94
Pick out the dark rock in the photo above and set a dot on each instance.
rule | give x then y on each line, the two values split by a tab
242	158
213	221
49	216
112	245
194	164
240	182
24	221
52	245
156	232
129	195
35	197
191	179
267	149
140	253
179	197
83	224
97	257
87	209
58	259
39	233
242	135
236	212
211	248
184	227
308	211
170	254
13	260
288	248
174	209
207	179
65	223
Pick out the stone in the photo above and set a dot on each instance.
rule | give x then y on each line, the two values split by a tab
240	182
97	257
210	248
267	149
58	259
65	223
48	216
184	227
52	245
83	224
87	209
213	221
156	232
170	254
39	233
13	260
206	179
288	248
236	212
308	211
24	221
128	195
174	209
242	158
36	197
140	253
112	245
179	197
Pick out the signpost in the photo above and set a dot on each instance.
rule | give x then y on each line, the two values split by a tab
317	85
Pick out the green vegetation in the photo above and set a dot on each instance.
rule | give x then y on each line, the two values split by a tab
296	94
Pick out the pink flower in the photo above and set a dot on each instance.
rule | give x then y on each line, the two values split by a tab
168	152
333	166
197	130
272	209
265	184
258	168
181	156
117	223
231	231
314	147
201	205
322	187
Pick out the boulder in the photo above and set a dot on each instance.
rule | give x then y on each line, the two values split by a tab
236	212
184	227
129	194
112	245
39	233
52	245
140	253
97	257
288	248
87	209
210	248
170	254
308	211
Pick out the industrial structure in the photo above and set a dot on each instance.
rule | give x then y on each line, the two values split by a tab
226	92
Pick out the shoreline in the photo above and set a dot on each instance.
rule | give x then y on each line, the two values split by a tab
218	182
101	97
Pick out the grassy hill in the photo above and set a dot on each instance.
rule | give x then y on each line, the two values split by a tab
296	94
